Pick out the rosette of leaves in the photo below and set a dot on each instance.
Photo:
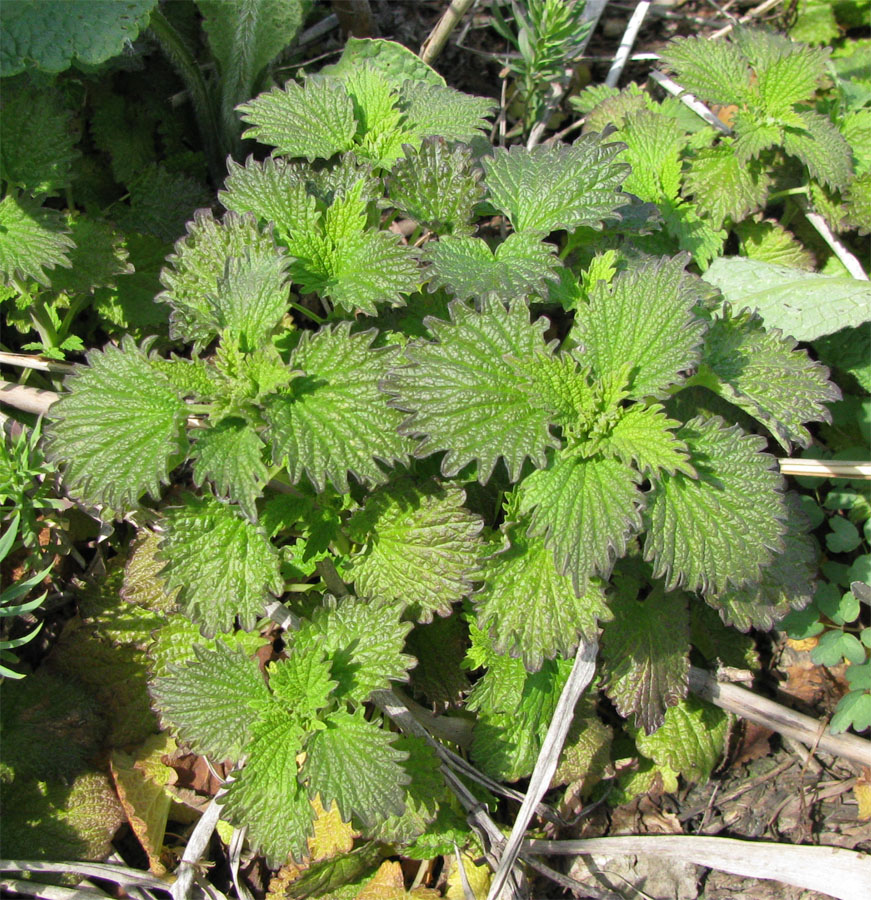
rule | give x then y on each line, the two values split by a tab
469	455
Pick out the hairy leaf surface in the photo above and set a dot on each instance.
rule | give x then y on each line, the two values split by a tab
522	264
434	109
762	373
646	654
530	610
335	420
222	564
212	702
32	239
421	546
822	148
586	510
314	120
715	530
646	316
644	436
715	70
352	762
119	429
560	186
302	683
467	398
230	456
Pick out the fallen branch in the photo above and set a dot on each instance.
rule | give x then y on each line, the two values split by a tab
27	399
435	43
826	468
840	873
778	718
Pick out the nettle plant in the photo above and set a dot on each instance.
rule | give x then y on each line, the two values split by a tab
403	421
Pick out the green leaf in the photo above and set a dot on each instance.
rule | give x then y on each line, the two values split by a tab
100	255
716	71
755	133
691	232
222	564
507	739
421	546
723	187
858	203
467	267
802	304
213	702
397	63
586	510
302	683
836	646
433	109
853	710
337	396
230	456
197	274
653	150
822	148
364	642
559	186
530	611
142	584
266	796
762	373
352	762
843	537
722	527
644	436
439	649
353	267
244	38
437	186
173	644
38	141
646	315
790	79
718	643
314	120
162	201
119	429
53	35
465	395
690	741
770	242
375	98
645	650
32	239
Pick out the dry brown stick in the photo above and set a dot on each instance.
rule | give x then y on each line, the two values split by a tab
27	399
435	43
778	718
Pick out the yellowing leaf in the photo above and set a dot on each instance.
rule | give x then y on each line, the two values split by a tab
862	792
478	877
389	884
332	835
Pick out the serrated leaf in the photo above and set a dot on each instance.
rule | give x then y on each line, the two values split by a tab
754	133
718	643
222	564
53	35
586	510
733	478
644	436
364	642
199	263
437	186
338	396
786	583
352	762
314	120
530	611
38	140
506	741
691	739
467	398
646	654
653	150
692	233
802	304
172	645
822	148
521	265
790	79
142	582
560	186
99	257
230	456
274	190
858	202
762	373
420	546
266	796
770	242
213	702
717	71
302	683
391	59
646	315
162	200
375	99
119	428
586	754
723	187
32	239
434	109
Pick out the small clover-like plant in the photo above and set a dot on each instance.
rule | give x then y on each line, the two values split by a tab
405	425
